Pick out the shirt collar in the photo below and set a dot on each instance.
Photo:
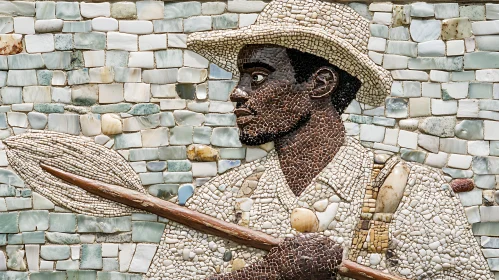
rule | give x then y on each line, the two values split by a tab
349	171
347	174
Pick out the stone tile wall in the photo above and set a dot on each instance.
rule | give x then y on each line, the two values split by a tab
119	73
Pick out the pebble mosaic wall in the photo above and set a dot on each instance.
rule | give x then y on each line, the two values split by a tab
120	73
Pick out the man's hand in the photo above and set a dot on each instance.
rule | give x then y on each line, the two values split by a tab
307	256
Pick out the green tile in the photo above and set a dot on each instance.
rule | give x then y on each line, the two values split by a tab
81	274
62	222
36	237
91	256
9	222
33	220
48	275
147	231
106	225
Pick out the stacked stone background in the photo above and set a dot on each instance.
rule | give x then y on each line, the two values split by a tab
119	73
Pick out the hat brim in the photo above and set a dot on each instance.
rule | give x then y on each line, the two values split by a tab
222	48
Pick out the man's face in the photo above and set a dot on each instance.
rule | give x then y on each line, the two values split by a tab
270	103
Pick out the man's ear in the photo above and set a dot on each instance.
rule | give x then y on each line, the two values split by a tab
325	81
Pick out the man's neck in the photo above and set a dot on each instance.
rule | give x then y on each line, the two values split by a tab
305	152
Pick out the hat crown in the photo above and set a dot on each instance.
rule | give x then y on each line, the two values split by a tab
333	18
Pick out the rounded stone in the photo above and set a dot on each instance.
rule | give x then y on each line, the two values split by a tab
227	256
304	220
238	264
462	185
202	153
111	124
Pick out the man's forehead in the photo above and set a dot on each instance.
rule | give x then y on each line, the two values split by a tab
268	54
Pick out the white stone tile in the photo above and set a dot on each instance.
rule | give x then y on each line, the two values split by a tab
439	76
24	25
192	75
93	10
94	58
472	214
459	161
380	7
391	61
376	44
137	92
152	42
154	137
204	169
120	41
111	93
376	57
487	75
382	18
408	139
485	27
142	258
391	136
455	47
409	75
75	251
39	43
491	130
125	255
492	11
478	148
46	265
48	25
247	19
372	133
135	26
177	41
440	107
432	48
109	249
148	10
90	124
422	9
470	44
446	10
436	160
141	60
104	24
101	75
456	90
164	91
425	30
428	142
192	59
58	78
61	95
32	256
17	119
431	90
467	109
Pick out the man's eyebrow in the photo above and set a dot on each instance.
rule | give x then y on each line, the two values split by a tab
258	64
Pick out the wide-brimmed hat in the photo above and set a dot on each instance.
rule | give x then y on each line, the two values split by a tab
330	30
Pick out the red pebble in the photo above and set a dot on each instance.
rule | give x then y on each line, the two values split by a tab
462	185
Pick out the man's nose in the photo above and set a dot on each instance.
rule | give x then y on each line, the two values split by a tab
239	95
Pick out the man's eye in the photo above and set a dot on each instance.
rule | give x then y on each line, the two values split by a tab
258	78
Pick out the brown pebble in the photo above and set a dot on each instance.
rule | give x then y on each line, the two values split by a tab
462	185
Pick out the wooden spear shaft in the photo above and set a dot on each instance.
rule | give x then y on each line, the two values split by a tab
201	222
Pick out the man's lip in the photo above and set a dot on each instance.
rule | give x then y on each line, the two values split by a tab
242	112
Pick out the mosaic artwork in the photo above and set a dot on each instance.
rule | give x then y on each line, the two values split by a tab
290	139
